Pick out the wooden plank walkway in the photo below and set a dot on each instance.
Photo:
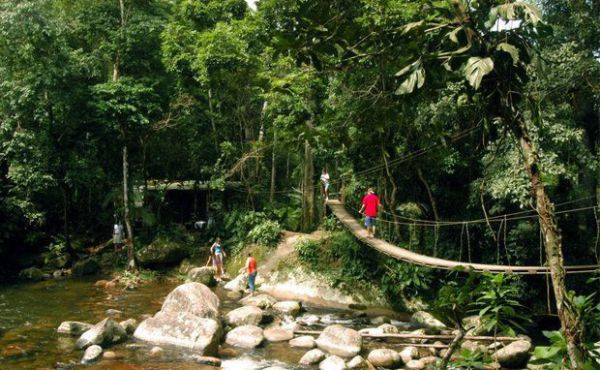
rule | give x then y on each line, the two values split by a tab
405	255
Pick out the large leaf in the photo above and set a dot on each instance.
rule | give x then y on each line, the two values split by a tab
416	79
476	69
510	49
519	10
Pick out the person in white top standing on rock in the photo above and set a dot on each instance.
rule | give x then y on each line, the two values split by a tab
325	183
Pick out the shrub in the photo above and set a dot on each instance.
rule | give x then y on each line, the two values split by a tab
308	251
266	233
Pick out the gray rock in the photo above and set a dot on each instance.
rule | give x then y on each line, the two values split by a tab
429	360
305	341
183	330
340	341
113	312
308	320
202	275
245	336
88	266
129	325
357	363
278	334
291	308
161	252
245	315
388	329
414	365
409	353
515	355
425	320
105	332
312	357
262	301
384	358
91	354
239	283
32	273
380	320
194	298
74	328
206	360
333	363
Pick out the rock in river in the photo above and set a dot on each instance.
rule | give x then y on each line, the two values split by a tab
105	332
188	318
88	266
422	319
291	308
245	336
312	357
305	341
340	341
278	334
246	315
514	355
384	358
333	363
263	301
202	275
74	328
161	252
91	354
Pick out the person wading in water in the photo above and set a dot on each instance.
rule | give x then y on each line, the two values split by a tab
370	205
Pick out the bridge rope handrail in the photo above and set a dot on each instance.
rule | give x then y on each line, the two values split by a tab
402	254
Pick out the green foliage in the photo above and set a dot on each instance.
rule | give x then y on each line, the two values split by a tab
470	360
403	279
251	227
330	223
499	307
309	252
266	233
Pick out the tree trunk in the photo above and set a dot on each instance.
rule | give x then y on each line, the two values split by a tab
308	189
130	257
433	208
212	119
569	319
273	169
452	348
66	218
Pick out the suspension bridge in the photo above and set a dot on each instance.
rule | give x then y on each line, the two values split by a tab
339	211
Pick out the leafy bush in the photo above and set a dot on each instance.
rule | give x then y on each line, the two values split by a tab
330	223
308	251
405	279
470	360
266	233
498	304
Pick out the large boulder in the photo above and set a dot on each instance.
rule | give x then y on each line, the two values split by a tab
425	320
161	252
202	275
291	308
240	282
263	301
245	315
181	329
340	341
188	318
105	332
245	336
194	298
88	266
515	355
333	363
384	358
314	356
32	273
74	328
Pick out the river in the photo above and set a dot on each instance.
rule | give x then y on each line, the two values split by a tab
31	312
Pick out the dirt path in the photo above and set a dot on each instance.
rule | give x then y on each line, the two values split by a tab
285	248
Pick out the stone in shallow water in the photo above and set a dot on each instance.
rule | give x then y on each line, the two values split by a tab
515	355
73	328
357	363
194	298
105	332
278	334
245	336
262	301
292	308
408	354
129	325
425	320
246	315
202	275
414	365
333	363
384	357
340	341
91	354
312	357
305	341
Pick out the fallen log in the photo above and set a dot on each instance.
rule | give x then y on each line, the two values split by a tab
420	336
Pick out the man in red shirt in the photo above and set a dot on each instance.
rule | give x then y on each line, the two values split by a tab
370	205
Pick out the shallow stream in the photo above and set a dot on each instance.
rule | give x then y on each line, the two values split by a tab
30	314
